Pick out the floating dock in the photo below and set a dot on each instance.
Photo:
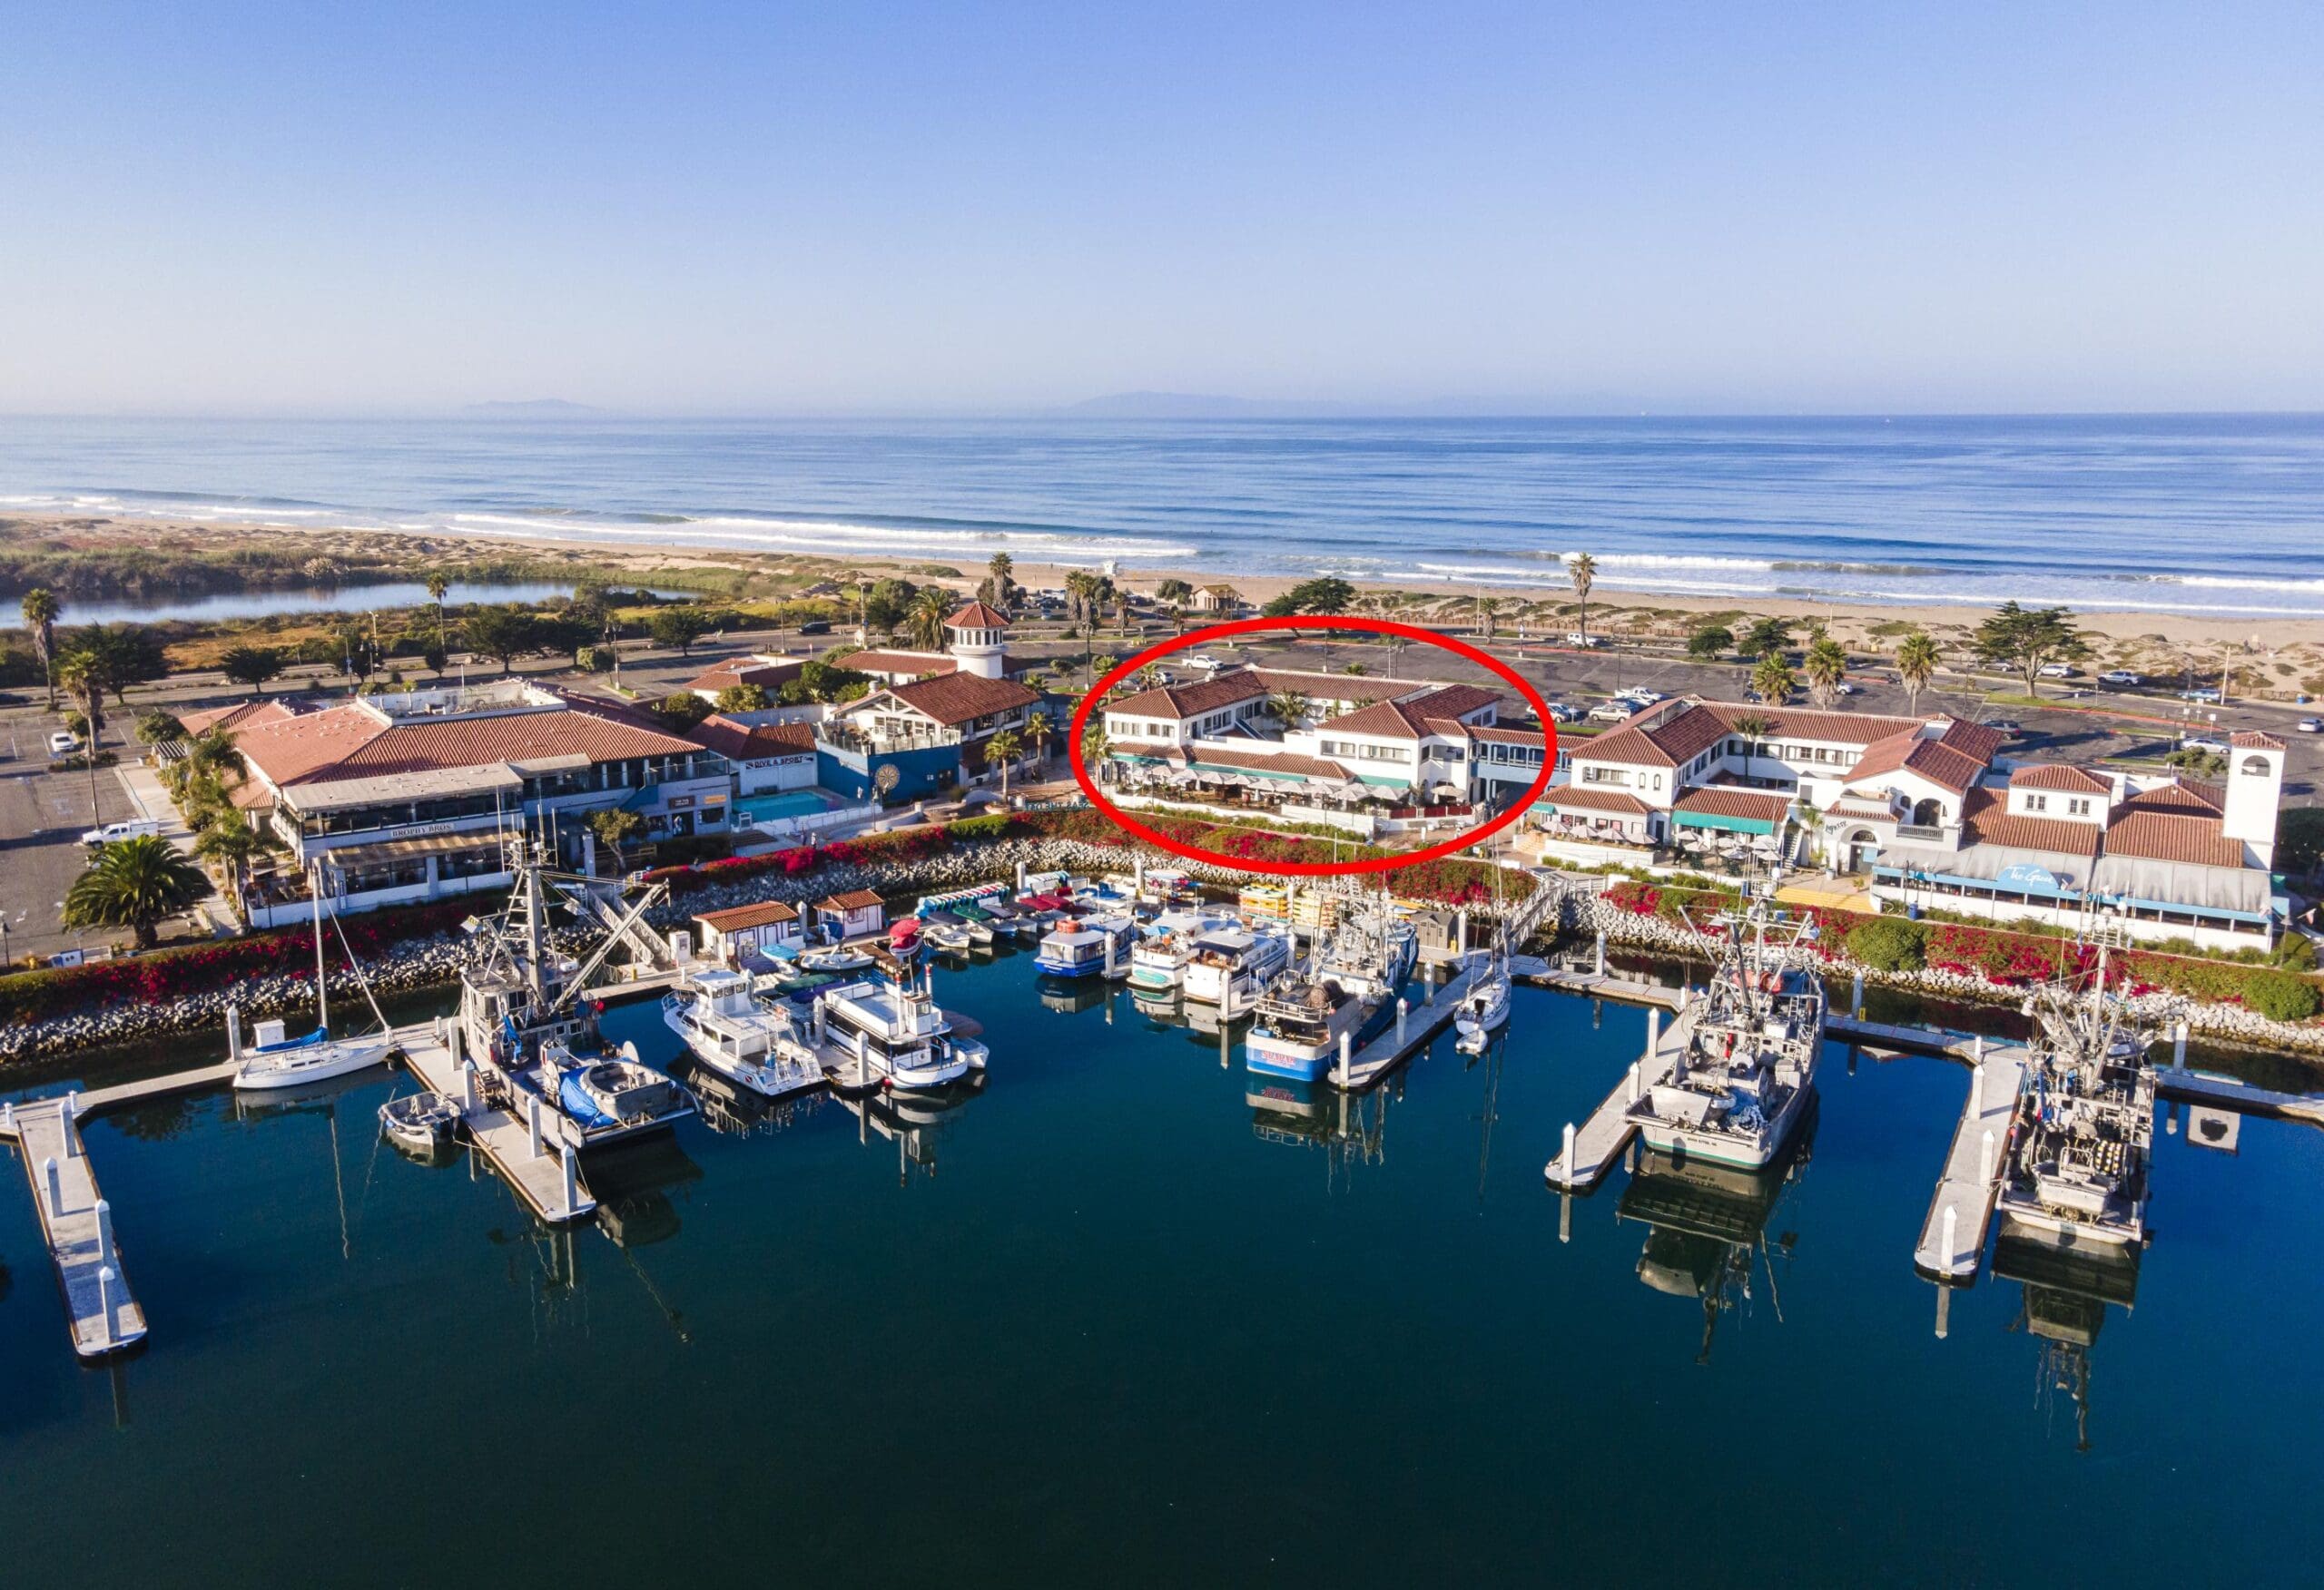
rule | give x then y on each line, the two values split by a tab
1952	1239
78	1225
533	1153
1409	1032
1589	1150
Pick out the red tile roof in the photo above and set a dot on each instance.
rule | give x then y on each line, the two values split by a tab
1435	711
1987	819
747	671
1941	765
238	715
2186	796
1178	702
2255	740
853	900
1571	798
1755	805
354	741
960	698
736	918
2160	836
1972	740
977	615
753	742
1503	734
1275	762
1338	687
2061	776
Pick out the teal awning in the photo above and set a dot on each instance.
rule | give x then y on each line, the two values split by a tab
1733	825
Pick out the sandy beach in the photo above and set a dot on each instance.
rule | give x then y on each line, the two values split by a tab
2272	655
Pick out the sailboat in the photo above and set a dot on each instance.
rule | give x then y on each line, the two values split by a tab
1484	1009
277	1062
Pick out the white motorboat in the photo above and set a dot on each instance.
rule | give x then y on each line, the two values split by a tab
752	1042
275	1061
892	1033
1235	962
835	957
1301	1022
1157	963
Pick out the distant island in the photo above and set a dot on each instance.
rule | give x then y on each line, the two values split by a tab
533	409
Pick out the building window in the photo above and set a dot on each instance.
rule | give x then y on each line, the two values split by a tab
2037	803
2079	807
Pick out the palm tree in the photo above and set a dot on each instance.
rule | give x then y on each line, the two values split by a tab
232	844
1149	676
1774	680
1096	745
1486	607
1038	728
1584	572
438	586
1916	656
1826	665
83	674
1000	580
133	883
1288	708
925	620
1753	729
41	611
213	754
1001	752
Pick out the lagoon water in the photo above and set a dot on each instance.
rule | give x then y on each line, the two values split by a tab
1107	1323
2216	514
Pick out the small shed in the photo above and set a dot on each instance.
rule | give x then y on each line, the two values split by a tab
852	913
727	935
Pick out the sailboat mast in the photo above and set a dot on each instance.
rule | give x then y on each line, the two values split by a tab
322	990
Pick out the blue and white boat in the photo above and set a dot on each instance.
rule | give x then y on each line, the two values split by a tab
1346	993
1158	964
1078	947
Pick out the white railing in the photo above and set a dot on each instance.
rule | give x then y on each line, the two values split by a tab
814	822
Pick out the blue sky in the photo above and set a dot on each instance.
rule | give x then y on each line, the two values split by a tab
905	209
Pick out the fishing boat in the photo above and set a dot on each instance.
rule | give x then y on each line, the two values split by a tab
2076	1171
1086	946
275	1061
892	1033
734	1031
1302	1019
1234	964
523	1021
1744	1057
1373	951
420	1123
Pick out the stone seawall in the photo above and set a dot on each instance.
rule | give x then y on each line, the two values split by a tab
436	962
1586	915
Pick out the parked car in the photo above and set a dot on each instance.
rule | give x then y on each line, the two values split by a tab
2203	743
1638	695
113	833
816	626
2119	676
1566	712
2058	671
1578	639
2005	725
2207	698
1845	688
2310	725
1205	660
1610	711
63	743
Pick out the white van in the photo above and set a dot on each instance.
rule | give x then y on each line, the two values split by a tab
136	828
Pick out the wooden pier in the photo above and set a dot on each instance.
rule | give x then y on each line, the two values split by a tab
1589	1152
534	1152
78	1226
1952	1238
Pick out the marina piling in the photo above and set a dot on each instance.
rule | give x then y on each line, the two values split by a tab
532	1123
55	1187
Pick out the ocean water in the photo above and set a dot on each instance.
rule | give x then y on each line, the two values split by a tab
1122	1319
2209	513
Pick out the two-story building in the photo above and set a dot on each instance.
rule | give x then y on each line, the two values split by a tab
934	732
768	673
412	796
770	750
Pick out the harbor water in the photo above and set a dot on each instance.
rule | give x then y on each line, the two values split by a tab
1126	1316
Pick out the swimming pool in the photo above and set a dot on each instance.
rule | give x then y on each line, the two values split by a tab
787	803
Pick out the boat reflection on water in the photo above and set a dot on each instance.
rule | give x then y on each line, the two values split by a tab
1076	995
915	1121
727	1108
1706	1234
2067	1294
633	1183
1352	1128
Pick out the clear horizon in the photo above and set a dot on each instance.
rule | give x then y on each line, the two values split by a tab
957	212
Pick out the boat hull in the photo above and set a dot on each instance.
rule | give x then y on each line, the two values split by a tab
322	1063
1724	1148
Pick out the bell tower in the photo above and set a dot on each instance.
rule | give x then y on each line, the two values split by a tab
977	638
2255	788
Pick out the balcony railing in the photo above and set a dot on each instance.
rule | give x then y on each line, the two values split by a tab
1927	832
